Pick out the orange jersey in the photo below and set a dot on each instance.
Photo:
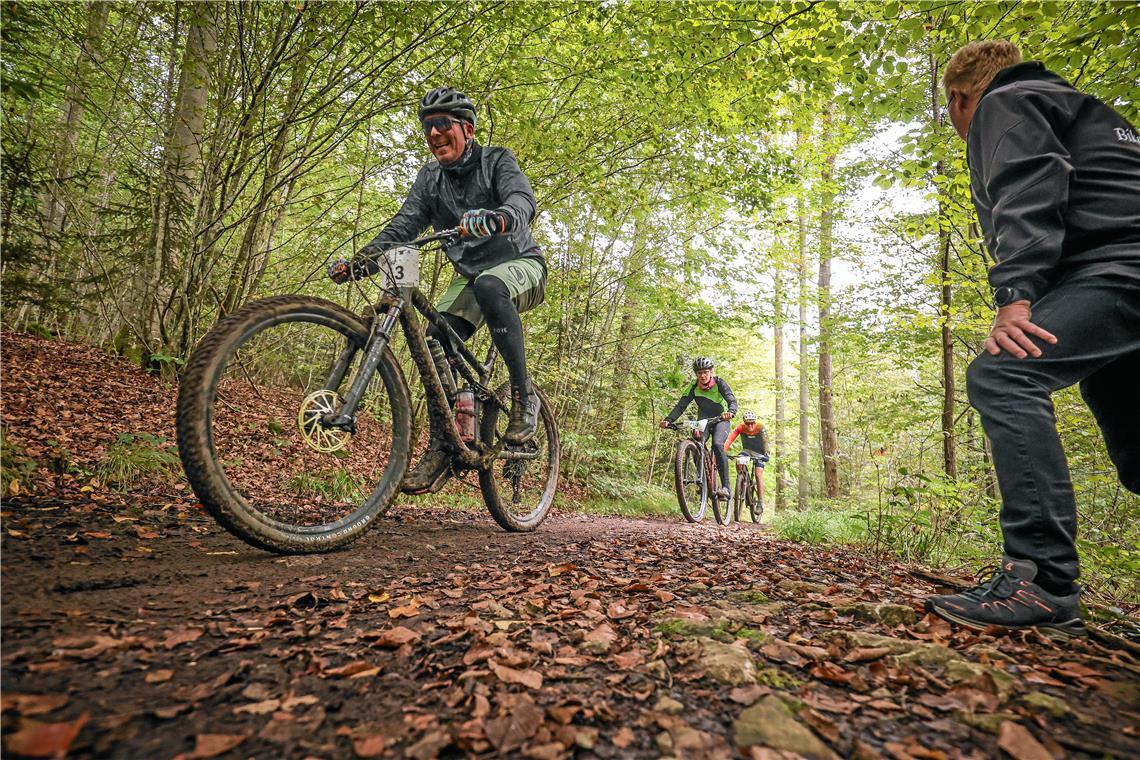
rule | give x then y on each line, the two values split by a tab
754	438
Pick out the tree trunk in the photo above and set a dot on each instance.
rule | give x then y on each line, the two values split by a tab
779	452
178	198
801	272
623	350
949	449
252	253
57	192
55	201
829	438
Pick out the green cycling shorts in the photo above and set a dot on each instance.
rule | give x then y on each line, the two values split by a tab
525	280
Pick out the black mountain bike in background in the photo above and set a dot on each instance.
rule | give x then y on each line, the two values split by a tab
749	485
694	474
295	419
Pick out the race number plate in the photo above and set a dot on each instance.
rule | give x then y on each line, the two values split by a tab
400	267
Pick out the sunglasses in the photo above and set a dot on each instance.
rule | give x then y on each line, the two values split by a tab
439	123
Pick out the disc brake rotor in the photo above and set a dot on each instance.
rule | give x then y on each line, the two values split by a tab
316	436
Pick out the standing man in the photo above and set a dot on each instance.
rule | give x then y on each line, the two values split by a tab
1055	176
499	268
714	399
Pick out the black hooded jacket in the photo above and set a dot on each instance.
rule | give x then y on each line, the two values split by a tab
487	178
1055	176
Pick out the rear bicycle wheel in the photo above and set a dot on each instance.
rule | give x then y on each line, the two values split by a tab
518	492
688	477
250	432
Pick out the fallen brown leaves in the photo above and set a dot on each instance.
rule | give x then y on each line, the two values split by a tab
439	635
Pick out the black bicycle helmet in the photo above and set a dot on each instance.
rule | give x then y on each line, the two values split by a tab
447	100
702	362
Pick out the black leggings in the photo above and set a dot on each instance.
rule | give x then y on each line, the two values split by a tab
718	431
502	320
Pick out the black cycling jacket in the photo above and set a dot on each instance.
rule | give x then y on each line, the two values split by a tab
487	178
706	406
1055	176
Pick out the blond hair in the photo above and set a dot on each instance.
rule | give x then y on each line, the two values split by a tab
974	66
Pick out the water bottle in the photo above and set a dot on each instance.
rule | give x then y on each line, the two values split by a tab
465	413
442	367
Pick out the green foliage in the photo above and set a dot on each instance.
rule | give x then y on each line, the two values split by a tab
333	484
136	459
635	500
817	526
16	467
453	496
933	519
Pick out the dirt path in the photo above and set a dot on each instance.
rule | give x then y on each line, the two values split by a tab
134	627
438	634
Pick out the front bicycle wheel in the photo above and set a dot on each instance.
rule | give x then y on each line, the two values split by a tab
755	501
739	494
722	508
251	435
519	486
688	477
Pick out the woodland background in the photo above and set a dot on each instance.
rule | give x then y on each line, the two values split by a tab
773	185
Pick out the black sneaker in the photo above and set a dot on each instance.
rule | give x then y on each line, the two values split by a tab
1011	600
524	415
430	473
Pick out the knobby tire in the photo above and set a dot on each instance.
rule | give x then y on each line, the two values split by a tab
496	487
206	474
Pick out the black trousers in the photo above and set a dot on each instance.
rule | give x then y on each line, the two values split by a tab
1096	318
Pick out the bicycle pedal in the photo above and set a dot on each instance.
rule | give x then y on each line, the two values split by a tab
436	485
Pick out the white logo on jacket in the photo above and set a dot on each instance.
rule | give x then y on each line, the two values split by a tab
1126	135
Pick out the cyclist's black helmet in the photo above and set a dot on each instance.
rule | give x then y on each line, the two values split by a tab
702	362
447	100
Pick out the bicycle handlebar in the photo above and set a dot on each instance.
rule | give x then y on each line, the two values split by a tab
454	232
692	424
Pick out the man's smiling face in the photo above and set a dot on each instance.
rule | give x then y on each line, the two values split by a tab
446	136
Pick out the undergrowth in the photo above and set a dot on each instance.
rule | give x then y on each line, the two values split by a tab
137	458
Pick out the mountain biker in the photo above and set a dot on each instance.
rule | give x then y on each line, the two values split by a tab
754	441
714	399
499	268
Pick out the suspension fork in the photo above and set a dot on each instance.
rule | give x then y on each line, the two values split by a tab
374	351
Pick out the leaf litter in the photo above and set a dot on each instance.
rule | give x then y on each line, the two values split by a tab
572	641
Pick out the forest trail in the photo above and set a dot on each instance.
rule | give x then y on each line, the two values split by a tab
134	627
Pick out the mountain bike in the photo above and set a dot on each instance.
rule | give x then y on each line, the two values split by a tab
694	473
295	418
749	484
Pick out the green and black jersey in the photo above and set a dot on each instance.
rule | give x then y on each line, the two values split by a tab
710	403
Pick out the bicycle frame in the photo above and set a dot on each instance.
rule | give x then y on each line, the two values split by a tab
393	308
